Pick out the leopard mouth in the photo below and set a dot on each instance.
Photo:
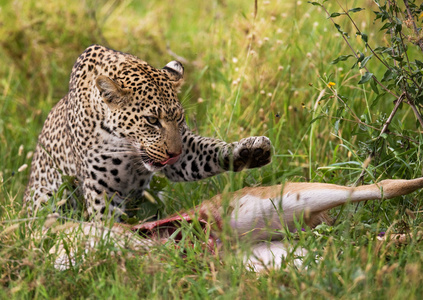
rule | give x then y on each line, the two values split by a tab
157	165
170	160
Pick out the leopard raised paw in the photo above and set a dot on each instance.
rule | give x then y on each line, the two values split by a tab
251	152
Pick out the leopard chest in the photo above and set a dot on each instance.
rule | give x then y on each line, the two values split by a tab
115	172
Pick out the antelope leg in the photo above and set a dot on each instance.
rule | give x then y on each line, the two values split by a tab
255	210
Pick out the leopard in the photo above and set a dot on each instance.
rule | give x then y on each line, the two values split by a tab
121	122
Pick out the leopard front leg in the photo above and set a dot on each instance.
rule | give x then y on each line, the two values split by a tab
204	157
99	204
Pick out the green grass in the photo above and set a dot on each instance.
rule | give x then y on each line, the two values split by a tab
244	76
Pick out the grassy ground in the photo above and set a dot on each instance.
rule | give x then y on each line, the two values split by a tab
245	75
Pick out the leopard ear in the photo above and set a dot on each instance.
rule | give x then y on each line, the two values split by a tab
175	70
113	95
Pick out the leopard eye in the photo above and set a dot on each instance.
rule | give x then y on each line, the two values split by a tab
153	121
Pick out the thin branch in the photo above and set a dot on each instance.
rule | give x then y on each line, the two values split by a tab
391	116
345	39
405	75
410	101
367	45
375	128
404	51
392	35
384	87
410	17
384	129
355	54
416	111
357	119
375	54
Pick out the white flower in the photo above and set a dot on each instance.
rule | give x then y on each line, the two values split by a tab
22	168
21	149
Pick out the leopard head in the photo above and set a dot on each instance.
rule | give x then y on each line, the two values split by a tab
141	107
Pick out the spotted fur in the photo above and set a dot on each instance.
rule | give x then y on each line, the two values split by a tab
120	122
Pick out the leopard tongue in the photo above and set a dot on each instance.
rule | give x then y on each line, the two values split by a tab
170	161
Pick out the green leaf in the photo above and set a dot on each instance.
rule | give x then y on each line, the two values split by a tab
386	26
397	57
340	30
364	37
387	50
336	126
387	76
341	58
373	85
365	60
315	3
359	59
334	15
419	64
380	49
366	77
354	10
317	118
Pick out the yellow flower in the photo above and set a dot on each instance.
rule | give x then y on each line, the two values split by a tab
331	84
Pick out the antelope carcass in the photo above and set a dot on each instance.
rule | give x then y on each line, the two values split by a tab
255	214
